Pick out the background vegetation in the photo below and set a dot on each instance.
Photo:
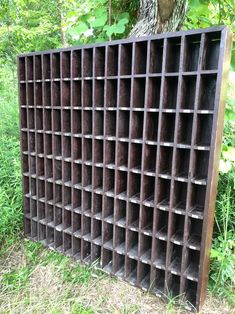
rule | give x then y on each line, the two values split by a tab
30	25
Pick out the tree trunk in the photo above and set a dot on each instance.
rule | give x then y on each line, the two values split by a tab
61	19
158	16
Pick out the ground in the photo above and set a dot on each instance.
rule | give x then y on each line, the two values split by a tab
35	280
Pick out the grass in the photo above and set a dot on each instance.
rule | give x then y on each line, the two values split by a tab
35	280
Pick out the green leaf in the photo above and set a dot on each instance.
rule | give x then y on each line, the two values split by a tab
77	30
233	58
99	22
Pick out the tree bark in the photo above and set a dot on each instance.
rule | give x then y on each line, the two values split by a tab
158	16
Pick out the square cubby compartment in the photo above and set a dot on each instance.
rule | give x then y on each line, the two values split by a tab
86	251
86	226
76	245
157	286
107	260
156	51
47	94
150	158
56	116
122	154
163	193
58	240
40	188
76	94
135	157
98	123
109	155
40	143
132	243
56	94
170	92
97	231
29	67
131	270
30	94
159	254
67	200
145	248
109	182
133	216
123	124
40	167
77	173
47	119
140	57
50	236
76	122
134	186
46	66
161	226
99	93
179	195
24	142
31	120
48	144
204	129
121	213
175	259
87	149
67	175
87	61
49	169
32	164
41	210
56	65
108	209
173	54
137	121
111	93
138	100
167	127
86	175
125	93
121	183
197	201
41	232
148	186
177	229
66	116
22	94
77	199
191	288
144	276
173	286
182	159
66	90
57	145
207	92
154	88
77	148
119	265
98	153
22	68
192	47
38	94
194	233
126	59
97	205
120	239
67	221
50	214
201	166
95	254
112	59
192	265
211	51
151	129
66	146
108	235
99	61
146	224
49	191
188	90
58	195
76	57
184	130
34	230
66	64
87	93
110	123
98	178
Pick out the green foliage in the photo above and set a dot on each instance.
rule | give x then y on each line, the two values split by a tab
206	13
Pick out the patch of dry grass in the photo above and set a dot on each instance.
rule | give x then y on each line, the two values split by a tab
47	292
